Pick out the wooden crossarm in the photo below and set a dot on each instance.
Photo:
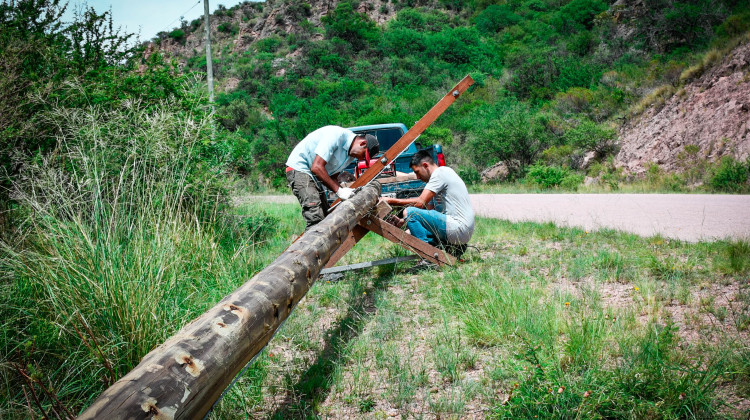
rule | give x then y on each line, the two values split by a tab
391	154
400	237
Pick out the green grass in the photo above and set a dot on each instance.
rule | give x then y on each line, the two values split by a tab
537	321
597	326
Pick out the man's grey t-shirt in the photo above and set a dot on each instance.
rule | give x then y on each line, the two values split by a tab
453	199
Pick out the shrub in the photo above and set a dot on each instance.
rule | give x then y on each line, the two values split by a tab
178	35
730	176
355	28
547	176
495	18
469	175
228	28
268	45
734	25
455	45
589	136
562	156
579	14
506	130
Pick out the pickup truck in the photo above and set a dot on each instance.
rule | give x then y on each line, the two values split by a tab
398	179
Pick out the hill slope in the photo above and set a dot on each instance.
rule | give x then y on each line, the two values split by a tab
712	113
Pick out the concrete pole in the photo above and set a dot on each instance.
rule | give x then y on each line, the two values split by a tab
209	63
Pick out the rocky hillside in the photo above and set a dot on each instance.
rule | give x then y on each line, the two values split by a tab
711	112
558	81
241	26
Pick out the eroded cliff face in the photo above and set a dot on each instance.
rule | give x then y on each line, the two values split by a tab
712	113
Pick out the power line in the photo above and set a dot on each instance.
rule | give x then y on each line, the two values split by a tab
182	15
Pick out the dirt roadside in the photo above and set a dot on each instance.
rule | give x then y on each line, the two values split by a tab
689	217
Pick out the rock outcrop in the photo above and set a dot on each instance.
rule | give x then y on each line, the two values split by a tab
712	113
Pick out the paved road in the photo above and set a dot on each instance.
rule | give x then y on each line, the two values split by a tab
690	217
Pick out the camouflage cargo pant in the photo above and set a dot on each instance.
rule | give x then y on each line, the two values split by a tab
311	197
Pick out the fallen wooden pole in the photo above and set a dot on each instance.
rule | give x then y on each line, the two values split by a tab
184	376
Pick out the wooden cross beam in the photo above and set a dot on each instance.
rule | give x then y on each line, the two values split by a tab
374	222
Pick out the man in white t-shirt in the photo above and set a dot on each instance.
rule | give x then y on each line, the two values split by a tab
317	160
451	224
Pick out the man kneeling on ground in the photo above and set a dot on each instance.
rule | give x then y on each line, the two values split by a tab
451	224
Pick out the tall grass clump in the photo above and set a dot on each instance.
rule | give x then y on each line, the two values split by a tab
117	243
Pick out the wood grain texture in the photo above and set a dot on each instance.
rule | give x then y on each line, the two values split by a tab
182	378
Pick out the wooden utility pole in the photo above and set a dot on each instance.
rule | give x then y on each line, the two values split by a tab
209	63
183	377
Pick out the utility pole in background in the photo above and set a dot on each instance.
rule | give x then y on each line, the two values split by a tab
209	64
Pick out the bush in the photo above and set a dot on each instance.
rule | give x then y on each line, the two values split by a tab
589	136
730	176
579	14
455	45
549	176
178	35
506	130
228	28
355	28
469	175
268	45
495	18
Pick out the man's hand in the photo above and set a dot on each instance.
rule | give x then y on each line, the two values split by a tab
344	193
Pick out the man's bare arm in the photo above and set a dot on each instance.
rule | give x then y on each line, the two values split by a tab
421	202
319	170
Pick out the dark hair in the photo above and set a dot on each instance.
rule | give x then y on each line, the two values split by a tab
421	156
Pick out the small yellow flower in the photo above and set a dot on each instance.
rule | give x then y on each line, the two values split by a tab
567	303
636	288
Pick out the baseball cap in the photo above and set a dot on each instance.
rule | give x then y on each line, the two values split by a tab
373	147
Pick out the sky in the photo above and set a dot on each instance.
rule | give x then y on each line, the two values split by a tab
150	17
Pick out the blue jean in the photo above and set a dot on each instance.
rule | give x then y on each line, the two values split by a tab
427	225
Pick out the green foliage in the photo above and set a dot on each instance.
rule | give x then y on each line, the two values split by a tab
469	175
578	15
355	28
178	35
228	28
112	234
553	176
508	130
673	24
268	45
436	135
730	176
734	25
589	136
495	18
455	45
